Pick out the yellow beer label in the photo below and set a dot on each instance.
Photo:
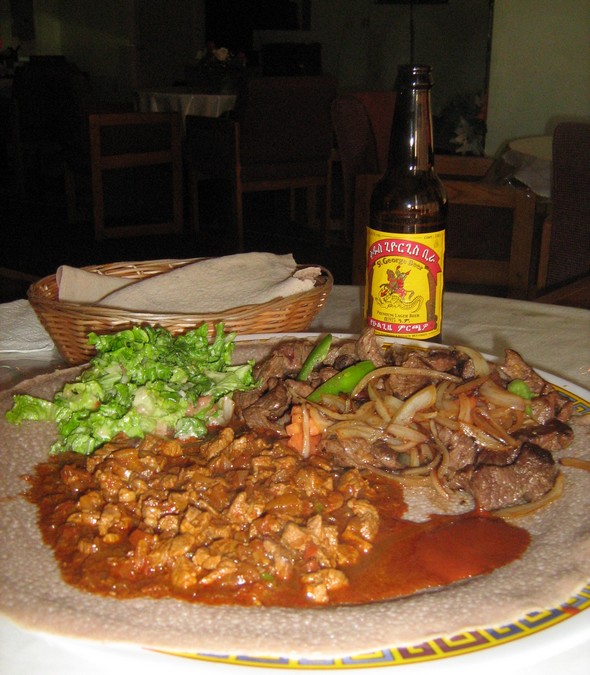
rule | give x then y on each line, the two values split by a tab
405	283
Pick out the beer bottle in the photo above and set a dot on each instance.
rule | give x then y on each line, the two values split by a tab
406	232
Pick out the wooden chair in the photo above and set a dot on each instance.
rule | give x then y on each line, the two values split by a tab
136	171
512	272
212	152
564	261
356	150
281	135
52	98
14	284
362	123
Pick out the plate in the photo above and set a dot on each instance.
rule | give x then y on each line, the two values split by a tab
569	610
470	642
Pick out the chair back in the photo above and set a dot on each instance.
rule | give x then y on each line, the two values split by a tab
379	106
279	137
212	145
565	247
356	146
467	263
136	174
362	128
212	151
53	98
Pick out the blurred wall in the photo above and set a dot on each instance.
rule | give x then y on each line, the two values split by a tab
99	38
363	43
540	62
122	44
540	71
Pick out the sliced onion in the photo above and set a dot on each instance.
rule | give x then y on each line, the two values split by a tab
501	397
576	463
447	422
421	469
422	416
421	400
491	427
226	410
380	406
485	440
392	402
413	459
406	433
333	414
442	394
480	365
320	421
408	480
465	409
438	486
469	385
521	510
357	430
444	462
338	403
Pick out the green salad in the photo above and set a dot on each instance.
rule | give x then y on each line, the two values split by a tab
143	380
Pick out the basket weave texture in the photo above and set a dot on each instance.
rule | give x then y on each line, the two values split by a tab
68	323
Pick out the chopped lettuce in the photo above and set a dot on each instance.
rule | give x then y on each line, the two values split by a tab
143	380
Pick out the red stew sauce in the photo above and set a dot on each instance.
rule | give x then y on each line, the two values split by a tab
245	520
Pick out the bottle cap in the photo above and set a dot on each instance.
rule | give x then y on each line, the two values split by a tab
413	77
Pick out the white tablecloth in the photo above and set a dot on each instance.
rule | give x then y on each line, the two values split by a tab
555	339
531	158
185	102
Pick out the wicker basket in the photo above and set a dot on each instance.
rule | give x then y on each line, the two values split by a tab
68	323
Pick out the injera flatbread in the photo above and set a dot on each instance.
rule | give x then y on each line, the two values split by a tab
216	284
32	594
78	285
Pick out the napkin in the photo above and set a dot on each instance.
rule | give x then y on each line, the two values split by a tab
216	284
21	329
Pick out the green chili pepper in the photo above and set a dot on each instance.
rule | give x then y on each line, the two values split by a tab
520	388
343	382
316	355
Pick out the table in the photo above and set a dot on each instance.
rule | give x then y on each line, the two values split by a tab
185	101
550	337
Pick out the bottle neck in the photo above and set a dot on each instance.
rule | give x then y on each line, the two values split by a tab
411	146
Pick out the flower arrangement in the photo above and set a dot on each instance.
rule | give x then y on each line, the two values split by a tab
460	128
216	70
219	58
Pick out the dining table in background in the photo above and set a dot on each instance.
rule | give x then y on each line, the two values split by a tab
530	159
185	101
552	338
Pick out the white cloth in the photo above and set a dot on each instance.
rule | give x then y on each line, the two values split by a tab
185	102
532	161
22	331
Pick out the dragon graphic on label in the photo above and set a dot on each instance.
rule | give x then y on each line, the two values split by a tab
395	294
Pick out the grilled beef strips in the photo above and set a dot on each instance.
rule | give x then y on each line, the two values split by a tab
495	479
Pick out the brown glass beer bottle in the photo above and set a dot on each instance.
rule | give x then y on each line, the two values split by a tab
406	232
